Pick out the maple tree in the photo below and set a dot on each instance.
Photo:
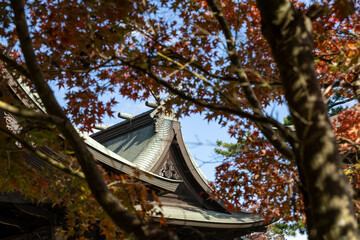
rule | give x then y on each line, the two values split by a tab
227	60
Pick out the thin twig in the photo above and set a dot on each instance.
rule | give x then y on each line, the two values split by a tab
352	143
30	114
13	64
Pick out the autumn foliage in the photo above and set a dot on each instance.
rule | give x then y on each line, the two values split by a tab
97	50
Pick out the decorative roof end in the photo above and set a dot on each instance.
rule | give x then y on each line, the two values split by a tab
101	126
127	116
151	104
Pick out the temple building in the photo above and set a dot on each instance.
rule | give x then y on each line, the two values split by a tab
153	143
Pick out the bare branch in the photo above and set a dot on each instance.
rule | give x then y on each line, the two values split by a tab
339	103
30	114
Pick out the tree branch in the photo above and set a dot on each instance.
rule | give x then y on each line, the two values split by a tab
111	205
285	132
13	64
30	114
202	78
266	129
197	101
352	143
339	103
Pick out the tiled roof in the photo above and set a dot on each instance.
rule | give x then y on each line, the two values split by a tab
138	144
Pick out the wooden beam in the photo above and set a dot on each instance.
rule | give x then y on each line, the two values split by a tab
14	223
35	211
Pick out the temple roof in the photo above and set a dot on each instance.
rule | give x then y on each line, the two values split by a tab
140	140
152	143
208	218
147	141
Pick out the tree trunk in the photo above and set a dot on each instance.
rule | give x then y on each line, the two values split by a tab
123	218
327	193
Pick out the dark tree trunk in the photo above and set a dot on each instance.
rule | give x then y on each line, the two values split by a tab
123	218
327	193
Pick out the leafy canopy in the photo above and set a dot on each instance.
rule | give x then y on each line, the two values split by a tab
97	50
